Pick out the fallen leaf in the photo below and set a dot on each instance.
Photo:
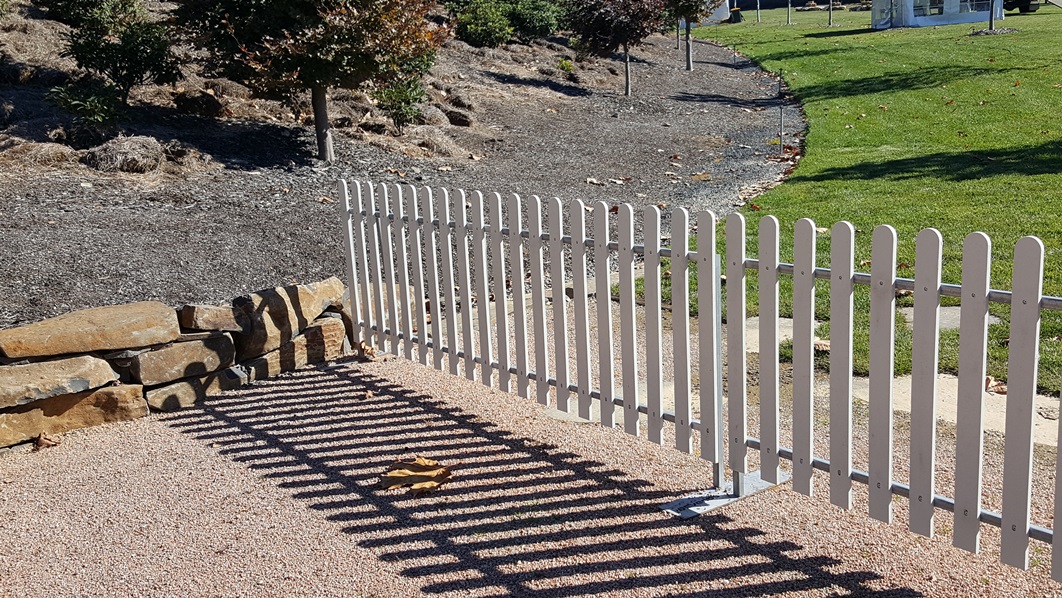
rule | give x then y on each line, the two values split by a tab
903	265
883	107
474	157
593	181
326	199
702	176
615	181
676	157
421	475
46	441
822	230
821	345
666	274
864	263
445	168
1017	84
903	292
670	173
365	352
613	209
995	386
849	127
756	207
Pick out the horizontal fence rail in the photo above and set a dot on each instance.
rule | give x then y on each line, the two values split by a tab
432	274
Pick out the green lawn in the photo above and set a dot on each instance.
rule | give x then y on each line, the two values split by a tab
925	127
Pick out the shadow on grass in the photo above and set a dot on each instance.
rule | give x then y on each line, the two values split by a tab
1044	158
563	525
921	78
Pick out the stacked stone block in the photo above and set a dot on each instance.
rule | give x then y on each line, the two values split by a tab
119	362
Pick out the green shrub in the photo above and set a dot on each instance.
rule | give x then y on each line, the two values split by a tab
5	6
566	65
400	101
94	108
108	13
533	19
483	24
136	53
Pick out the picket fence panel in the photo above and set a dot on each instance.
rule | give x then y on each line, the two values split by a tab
425	268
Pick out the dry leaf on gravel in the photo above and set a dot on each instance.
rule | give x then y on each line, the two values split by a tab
995	386
365	352
46	441
421	475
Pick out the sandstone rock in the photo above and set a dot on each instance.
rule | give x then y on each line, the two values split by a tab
189	391
431	115
458	118
64	413
278	315
182	360
96	329
21	384
322	341
199	102
213	317
346	313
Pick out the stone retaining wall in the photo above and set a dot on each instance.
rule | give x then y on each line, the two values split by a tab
119	362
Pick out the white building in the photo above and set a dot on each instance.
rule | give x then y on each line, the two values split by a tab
926	13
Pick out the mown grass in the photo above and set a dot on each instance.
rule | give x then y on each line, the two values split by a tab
916	128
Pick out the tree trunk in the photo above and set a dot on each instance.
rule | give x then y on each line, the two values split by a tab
678	31
320	124
627	70
689	47
992	15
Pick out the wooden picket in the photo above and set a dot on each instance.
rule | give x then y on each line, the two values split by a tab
803	355
423	274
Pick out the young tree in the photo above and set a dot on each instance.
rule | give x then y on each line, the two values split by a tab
689	11
603	26
284	46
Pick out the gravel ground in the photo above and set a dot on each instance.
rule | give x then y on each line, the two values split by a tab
270	491
264	214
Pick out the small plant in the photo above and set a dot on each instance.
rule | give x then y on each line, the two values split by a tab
565	64
136	53
95	105
533	19
94	108
483	24
400	101
109	13
5	7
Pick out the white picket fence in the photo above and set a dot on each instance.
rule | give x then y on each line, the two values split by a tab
450	261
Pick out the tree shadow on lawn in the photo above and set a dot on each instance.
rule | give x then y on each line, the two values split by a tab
563	525
909	79
1044	158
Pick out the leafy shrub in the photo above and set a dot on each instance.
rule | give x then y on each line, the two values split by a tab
94	108
532	19
399	100
95	104
108	13
5	6
136	53
483	23
566	65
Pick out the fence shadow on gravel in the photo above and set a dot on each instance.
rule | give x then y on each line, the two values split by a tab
563	526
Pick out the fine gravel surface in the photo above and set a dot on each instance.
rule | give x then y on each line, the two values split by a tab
263	213
271	491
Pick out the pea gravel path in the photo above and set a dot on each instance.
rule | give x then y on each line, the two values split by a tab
269	491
